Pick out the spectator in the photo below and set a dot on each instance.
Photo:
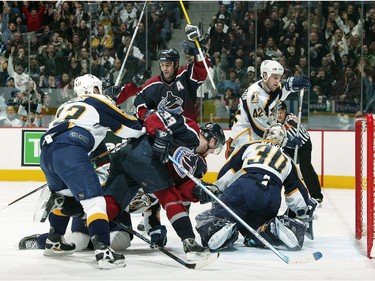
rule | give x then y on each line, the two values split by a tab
233	82
217	38
34	17
317	51
367	73
11	119
323	81
21	79
241	72
348	87
223	12
249	79
221	111
271	50
121	32
128	15
20	27
102	39
115	72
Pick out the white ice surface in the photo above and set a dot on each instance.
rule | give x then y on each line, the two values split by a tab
343	257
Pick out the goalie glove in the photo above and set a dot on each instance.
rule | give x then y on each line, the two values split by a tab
294	84
192	32
306	215
162	145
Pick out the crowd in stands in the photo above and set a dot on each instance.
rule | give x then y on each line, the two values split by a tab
45	45
323	42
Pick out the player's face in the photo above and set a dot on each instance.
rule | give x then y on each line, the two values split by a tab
207	147
273	82
281	115
168	70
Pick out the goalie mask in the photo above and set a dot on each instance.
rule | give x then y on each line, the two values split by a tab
87	84
277	134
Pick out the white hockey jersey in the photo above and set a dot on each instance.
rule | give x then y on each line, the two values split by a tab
97	114
254	115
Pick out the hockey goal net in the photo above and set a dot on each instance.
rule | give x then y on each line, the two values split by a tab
364	181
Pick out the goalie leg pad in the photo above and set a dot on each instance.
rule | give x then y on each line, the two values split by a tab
281	232
217	233
120	240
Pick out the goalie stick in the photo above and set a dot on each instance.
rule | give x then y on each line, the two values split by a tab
192	265
310	258
117	147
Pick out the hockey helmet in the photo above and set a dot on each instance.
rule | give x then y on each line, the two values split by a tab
271	67
86	85
276	133
169	55
214	131
282	106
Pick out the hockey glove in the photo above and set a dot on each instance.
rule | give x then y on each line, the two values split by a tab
293	142
113	92
158	235
138	79
162	145
192	32
203	197
297	83
291	121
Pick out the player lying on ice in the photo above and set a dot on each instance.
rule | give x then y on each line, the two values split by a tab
252	181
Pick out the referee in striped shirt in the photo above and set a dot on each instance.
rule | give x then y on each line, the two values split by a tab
303	141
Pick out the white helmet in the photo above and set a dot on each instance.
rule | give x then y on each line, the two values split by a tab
276	133
271	67
86	84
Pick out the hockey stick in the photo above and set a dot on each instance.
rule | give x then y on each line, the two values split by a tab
301	93
191	265
130	45
198	46
24	196
314	257
44	185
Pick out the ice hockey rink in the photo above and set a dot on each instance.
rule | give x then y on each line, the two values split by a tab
343	257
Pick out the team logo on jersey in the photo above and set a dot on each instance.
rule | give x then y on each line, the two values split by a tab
187	159
171	103
255	97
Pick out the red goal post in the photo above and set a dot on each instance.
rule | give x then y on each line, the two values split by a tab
364	180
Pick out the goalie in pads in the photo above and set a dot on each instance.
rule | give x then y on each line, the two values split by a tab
251	182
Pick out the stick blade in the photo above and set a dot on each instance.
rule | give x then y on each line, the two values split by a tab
202	263
307	259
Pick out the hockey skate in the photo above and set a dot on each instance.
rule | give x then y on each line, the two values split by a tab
194	251
106	257
56	245
29	242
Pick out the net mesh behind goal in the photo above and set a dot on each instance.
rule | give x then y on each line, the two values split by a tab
364	181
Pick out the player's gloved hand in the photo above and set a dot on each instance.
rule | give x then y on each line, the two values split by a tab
297	83
293	142
138	79
192	32
113	92
162	145
291	121
203	197
158	235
